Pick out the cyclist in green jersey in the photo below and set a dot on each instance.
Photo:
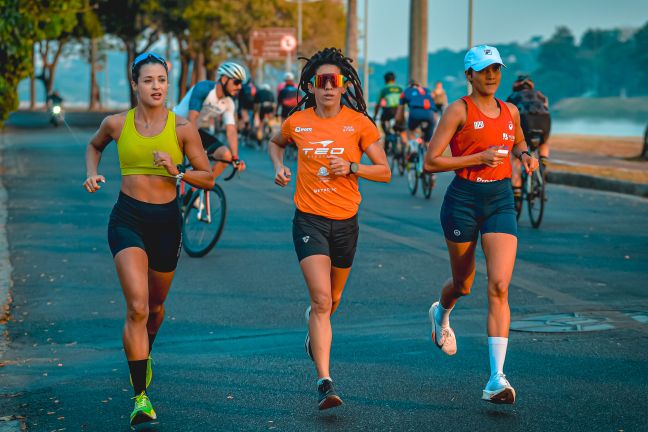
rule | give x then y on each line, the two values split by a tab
388	100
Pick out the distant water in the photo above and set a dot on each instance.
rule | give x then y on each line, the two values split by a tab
589	126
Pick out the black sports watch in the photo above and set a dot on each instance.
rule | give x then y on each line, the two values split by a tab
527	152
181	171
354	167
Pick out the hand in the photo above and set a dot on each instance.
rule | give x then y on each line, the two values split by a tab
339	166
164	160
529	162
492	158
91	184
282	176
239	164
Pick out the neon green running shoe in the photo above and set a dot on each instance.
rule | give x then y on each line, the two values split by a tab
149	372
143	411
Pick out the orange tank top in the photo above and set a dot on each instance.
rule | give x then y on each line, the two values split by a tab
477	135
347	136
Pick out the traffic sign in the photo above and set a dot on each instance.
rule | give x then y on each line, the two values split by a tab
273	43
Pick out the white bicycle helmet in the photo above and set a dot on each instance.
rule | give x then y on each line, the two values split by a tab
231	70
289	76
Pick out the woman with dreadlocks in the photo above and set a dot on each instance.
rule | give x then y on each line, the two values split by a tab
330	138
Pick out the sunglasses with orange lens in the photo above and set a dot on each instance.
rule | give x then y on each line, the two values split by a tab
336	80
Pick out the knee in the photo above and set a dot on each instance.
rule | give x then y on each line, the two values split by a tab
462	287
138	312
321	304
155	309
498	289
224	153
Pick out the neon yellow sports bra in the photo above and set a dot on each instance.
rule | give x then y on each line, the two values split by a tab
136	151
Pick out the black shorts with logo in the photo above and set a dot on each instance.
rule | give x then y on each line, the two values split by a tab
155	228
318	235
210	142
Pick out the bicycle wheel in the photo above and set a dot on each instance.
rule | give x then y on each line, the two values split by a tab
204	221
536	197
412	177
427	183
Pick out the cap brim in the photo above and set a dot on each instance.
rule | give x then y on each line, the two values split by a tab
483	65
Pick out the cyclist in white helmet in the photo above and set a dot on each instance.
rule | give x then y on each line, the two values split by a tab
209	100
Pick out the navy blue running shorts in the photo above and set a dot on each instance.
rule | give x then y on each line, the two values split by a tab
155	228
318	235
470	208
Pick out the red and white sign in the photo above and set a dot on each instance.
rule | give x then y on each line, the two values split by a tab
274	43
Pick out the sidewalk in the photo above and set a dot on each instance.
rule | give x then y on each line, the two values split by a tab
602	163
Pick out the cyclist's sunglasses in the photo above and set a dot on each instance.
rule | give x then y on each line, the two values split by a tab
336	80
147	55
236	81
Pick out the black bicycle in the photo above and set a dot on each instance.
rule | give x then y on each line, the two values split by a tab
414	164
534	184
203	213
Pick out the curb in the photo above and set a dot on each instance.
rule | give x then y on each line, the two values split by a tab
598	183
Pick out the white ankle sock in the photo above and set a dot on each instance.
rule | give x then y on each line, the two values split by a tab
497	354
321	380
442	316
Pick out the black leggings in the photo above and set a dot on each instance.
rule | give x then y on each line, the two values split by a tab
155	228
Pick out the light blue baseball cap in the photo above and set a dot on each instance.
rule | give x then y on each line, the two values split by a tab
482	56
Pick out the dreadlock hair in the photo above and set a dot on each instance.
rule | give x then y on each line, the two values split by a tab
353	97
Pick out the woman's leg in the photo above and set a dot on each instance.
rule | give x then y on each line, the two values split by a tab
317	274
159	284
339	277
132	269
500	250
462	263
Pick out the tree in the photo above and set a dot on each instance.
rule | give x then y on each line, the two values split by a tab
560	73
640	56
23	23
135	22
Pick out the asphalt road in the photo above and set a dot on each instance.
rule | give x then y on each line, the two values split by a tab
230	354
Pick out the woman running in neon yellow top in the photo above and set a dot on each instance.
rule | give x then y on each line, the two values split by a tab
145	223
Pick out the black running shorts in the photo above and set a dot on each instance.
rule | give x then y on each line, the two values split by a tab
318	235
155	228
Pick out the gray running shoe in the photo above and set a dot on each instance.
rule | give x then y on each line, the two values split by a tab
444	338
499	390
328	397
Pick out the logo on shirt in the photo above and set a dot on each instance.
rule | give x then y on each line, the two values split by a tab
507	137
324	150
479	124
303	129
510	125
348	129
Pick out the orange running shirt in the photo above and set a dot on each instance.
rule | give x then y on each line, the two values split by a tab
347	136
477	135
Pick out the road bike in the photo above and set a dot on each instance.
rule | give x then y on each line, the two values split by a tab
533	184
203	212
414	168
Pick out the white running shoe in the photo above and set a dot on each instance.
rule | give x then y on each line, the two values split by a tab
499	390
444	338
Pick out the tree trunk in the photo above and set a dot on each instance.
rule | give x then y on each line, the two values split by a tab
200	67
130	51
351	45
94	87
418	54
32	82
644	152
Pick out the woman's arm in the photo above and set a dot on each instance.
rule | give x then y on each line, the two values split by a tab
276	150
95	148
451	121
378	171
201	174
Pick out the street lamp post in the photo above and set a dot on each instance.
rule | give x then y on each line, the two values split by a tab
470	37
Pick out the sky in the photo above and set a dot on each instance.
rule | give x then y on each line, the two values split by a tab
494	21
